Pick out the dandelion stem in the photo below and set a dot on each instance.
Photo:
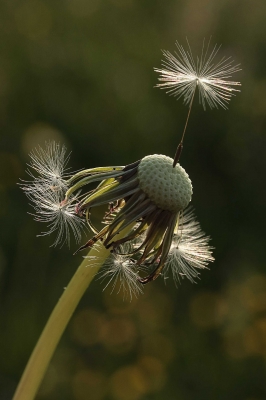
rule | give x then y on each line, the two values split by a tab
56	324
180	146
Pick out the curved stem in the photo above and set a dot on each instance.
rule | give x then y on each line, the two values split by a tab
56	324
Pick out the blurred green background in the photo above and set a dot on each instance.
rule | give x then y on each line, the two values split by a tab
81	72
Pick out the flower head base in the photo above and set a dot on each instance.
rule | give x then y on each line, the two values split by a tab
150	191
147	197
169	188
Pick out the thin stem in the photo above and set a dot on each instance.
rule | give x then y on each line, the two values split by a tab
56	324
180	146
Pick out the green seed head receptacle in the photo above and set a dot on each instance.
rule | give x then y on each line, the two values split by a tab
169	188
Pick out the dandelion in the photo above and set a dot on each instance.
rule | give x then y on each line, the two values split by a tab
148	194
148	197
145	226
181	75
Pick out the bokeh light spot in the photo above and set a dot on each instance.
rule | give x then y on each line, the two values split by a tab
83	8
154	310
49	383
207	310
128	383
33	19
86	327
38	134
117	303
87	384
254	293
153	372
122	3
234	345
159	346
119	334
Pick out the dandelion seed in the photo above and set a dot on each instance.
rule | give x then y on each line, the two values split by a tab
46	193
50	164
60	217
181	75
189	251
121	273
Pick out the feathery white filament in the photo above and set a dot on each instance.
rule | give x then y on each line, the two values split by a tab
181	75
60	217
189	252
120	271
46	193
50	165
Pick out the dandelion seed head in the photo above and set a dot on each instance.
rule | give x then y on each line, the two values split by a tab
147	197
169	188
181	74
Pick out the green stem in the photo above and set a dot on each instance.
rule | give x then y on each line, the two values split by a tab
56	324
